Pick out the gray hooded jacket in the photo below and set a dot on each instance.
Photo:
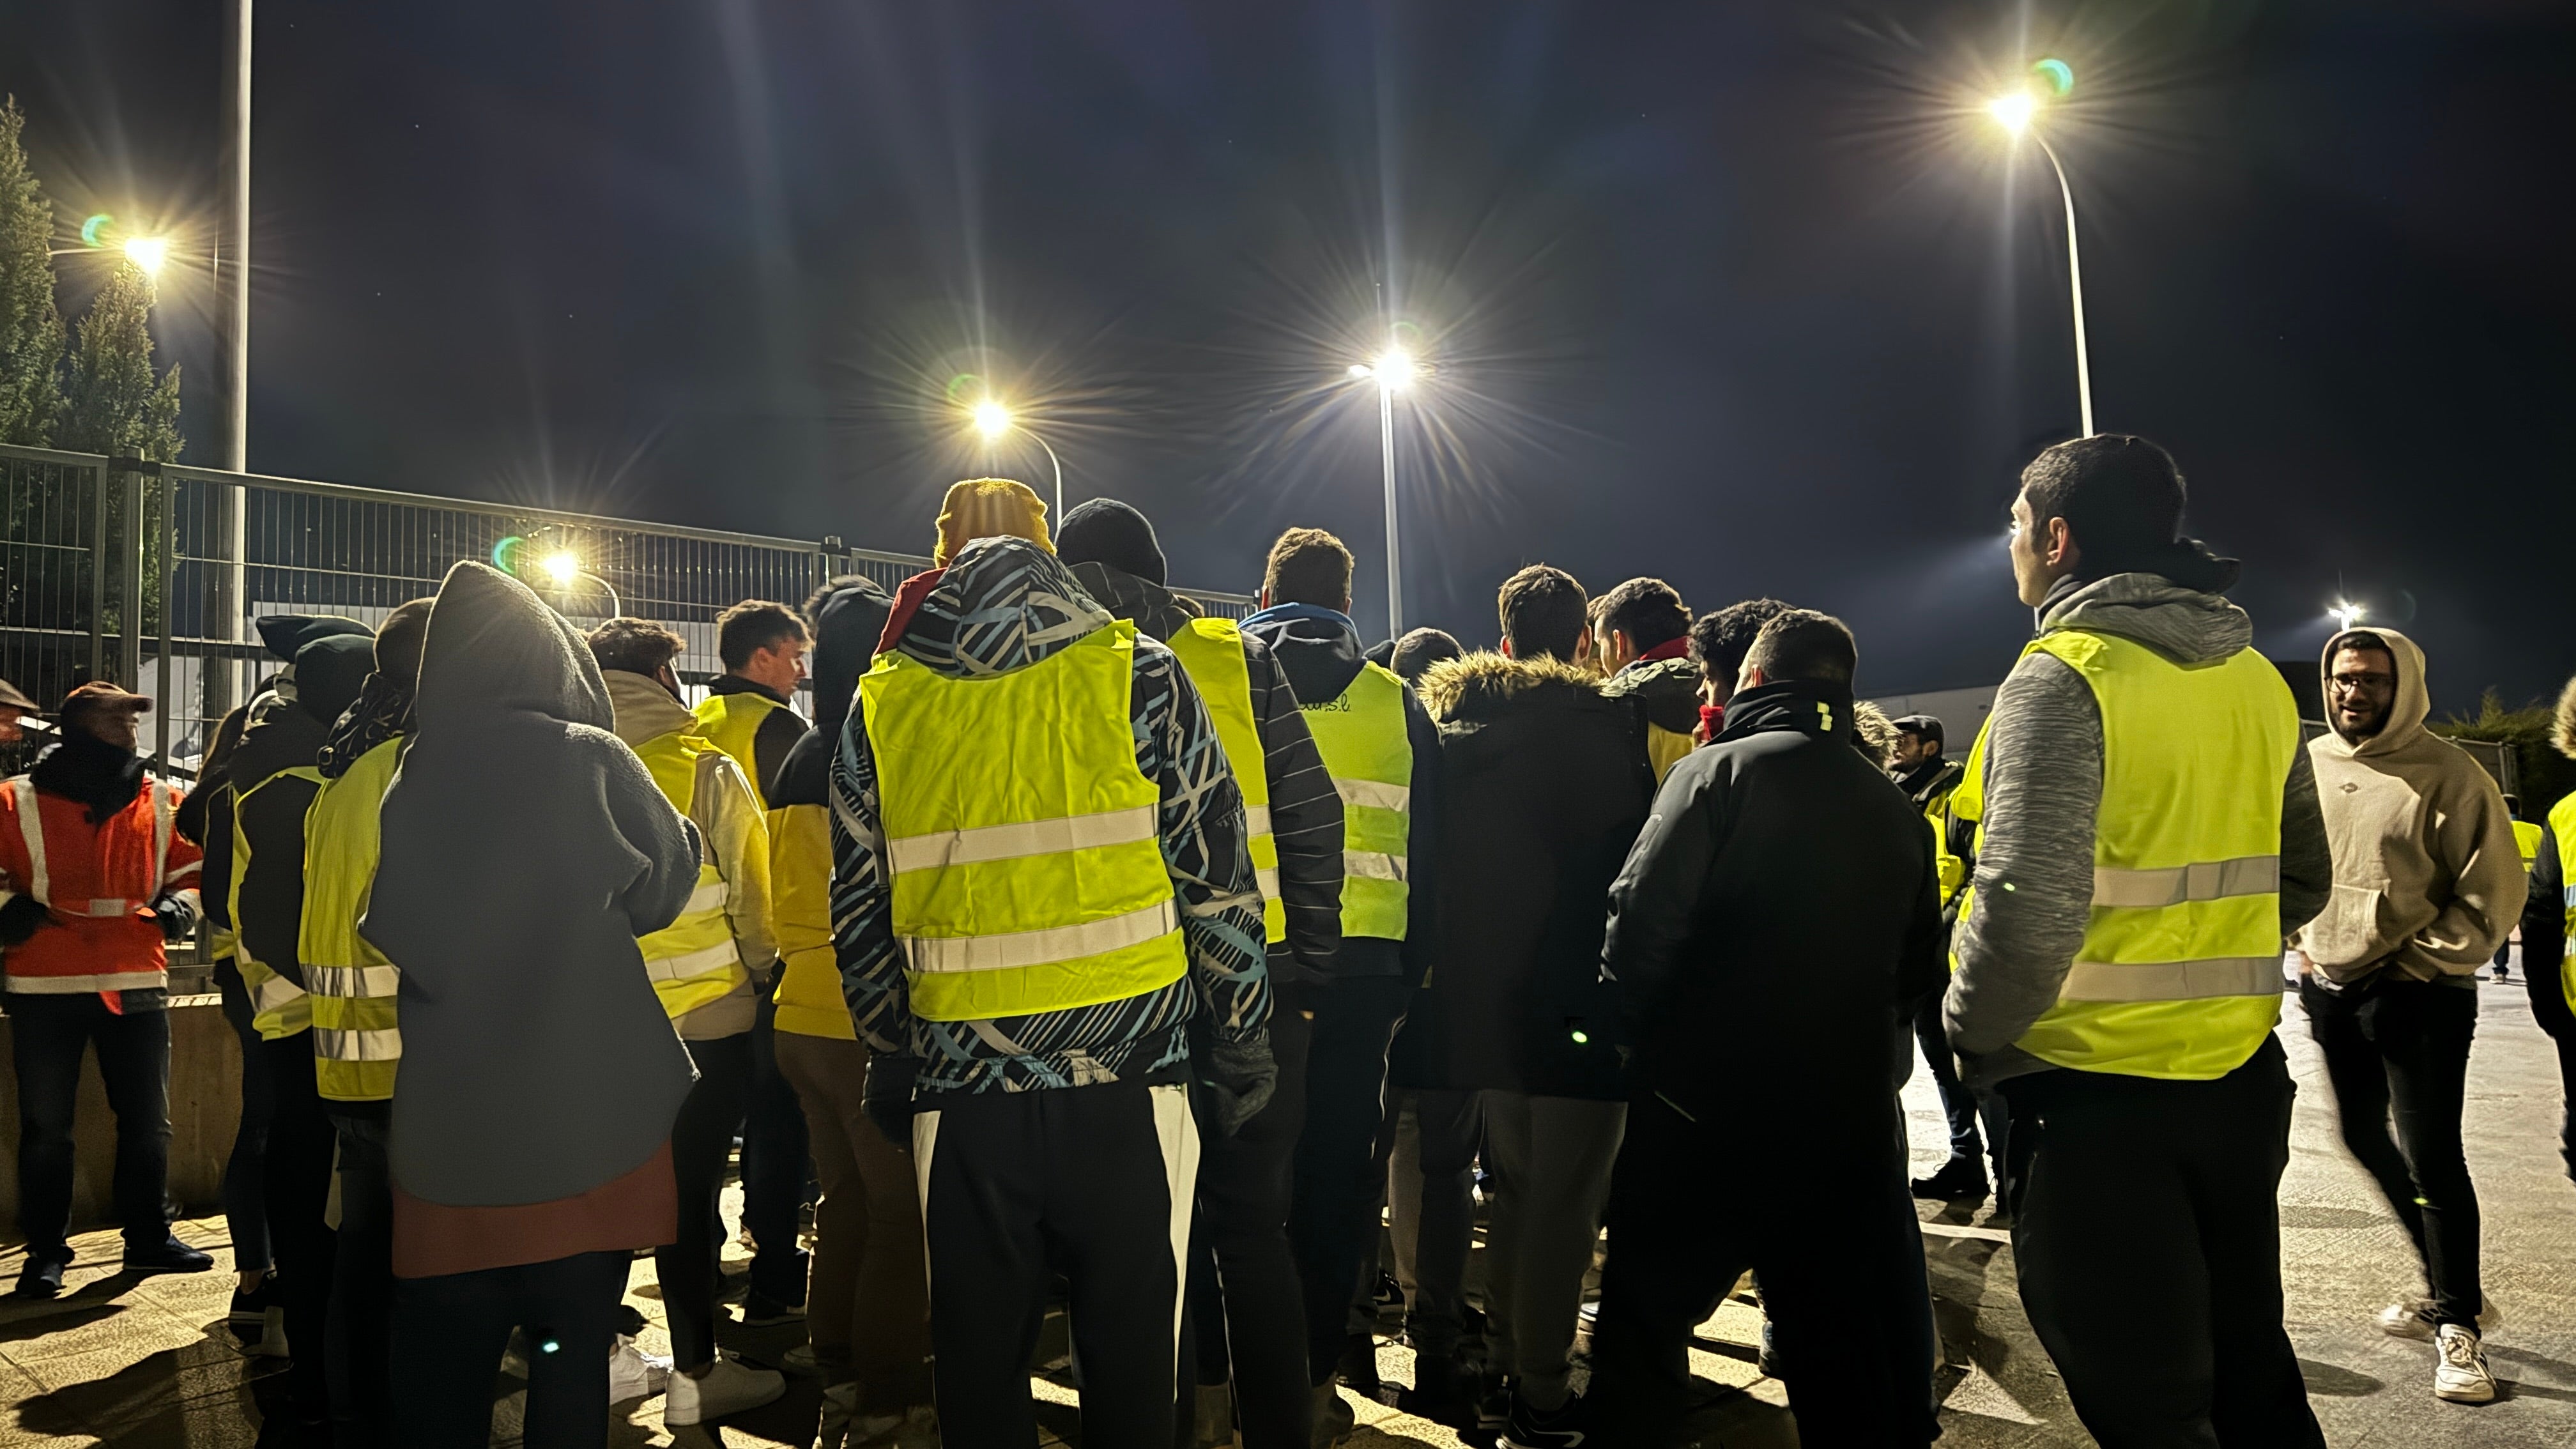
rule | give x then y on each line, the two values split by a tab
2043	788
525	848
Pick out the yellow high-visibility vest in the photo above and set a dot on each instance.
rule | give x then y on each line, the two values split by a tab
1211	652
2179	975
731	722
2526	841
354	989
2562	823
693	960
800	911
1362	738
1953	866
278	1007
1023	842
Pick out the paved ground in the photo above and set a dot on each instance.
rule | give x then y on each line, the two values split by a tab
148	1364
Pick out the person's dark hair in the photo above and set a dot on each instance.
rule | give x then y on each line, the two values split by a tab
1543	612
811	611
1649	611
1419	649
1308	566
399	641
2361	639
635	646
2122	497
1718	639
1803	644
754	625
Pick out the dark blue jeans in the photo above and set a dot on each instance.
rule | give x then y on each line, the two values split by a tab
449	1332
776	1168
49	1035
1330	1222
245	1199
360	1348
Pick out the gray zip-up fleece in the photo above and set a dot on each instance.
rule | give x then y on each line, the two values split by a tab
2043	789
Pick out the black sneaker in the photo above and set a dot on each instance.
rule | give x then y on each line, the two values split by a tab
42	1277
167	1256
1494	1403
761	1311
1565	1427
1442	1392
1961	1179
1358	1366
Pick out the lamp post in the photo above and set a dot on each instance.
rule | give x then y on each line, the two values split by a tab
1393	372
564	567
2346	613
994	421
2016	111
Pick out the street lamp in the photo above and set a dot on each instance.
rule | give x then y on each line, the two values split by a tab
148	252
995	421
1394	371
2346	613
2018	112
564	567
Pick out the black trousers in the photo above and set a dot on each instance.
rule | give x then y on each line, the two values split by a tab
360	1355
1247	1314
1090	1182
449	1333
2549	1008
1965	1107
1831	1231
2147	1232
2399	1048
296	1173
777	1168
701	1142
243	1192
1329	1221
48	1036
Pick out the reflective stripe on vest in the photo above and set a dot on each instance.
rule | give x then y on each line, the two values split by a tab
2179	974
2562	824
693	961
277	1006
1021	838
352	989
1362	738
1211	652
731	723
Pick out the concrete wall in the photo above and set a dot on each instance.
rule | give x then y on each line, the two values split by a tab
205	1107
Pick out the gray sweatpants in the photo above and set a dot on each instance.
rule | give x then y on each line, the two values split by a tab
1550	1158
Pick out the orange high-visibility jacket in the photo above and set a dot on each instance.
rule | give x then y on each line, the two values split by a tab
99	882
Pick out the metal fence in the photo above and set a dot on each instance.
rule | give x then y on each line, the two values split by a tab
151	575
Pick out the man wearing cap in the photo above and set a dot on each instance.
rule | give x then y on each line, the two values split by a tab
1920	771
93	878
13	705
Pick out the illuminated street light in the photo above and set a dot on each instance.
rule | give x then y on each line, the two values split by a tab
2018	113
148	252
994	421
1393	372
2347	613
563	566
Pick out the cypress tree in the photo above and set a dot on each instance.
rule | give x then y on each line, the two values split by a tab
31	330
115	404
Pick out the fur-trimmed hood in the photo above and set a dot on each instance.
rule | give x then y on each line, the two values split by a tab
1479	687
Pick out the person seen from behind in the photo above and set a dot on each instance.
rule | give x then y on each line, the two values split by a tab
1719	640
2549	929
2428	883
1642	640
524	849
1042	892
2148	834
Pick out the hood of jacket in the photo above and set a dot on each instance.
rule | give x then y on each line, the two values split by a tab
2186	625
1002	605
1667	689
285	635
1484	686
494	648
285	739
1318	648
846	624
645	710
2406	713
1148	605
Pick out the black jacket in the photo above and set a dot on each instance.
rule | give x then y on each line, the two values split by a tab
1321	656
846	625
1779	918
1305	809
1544	783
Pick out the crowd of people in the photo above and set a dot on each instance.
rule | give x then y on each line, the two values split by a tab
1083	945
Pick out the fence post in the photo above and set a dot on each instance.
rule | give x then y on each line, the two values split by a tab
229	499
161	570
131	551
98	569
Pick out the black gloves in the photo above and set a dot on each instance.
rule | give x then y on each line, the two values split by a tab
888	1100
178	914
21	917
1242	1075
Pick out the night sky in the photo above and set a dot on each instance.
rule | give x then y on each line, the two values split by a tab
1746	296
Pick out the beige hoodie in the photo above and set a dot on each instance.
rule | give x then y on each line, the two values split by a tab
2427	878
736	838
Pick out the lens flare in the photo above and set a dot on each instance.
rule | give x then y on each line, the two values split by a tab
94	230
992	419
147	252
2013	112
563	567
2059	75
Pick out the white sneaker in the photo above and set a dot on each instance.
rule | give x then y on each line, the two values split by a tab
2460	1373
633	1373
725	1390
2414	1318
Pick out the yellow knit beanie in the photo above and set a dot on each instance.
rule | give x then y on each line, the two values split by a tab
989	508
